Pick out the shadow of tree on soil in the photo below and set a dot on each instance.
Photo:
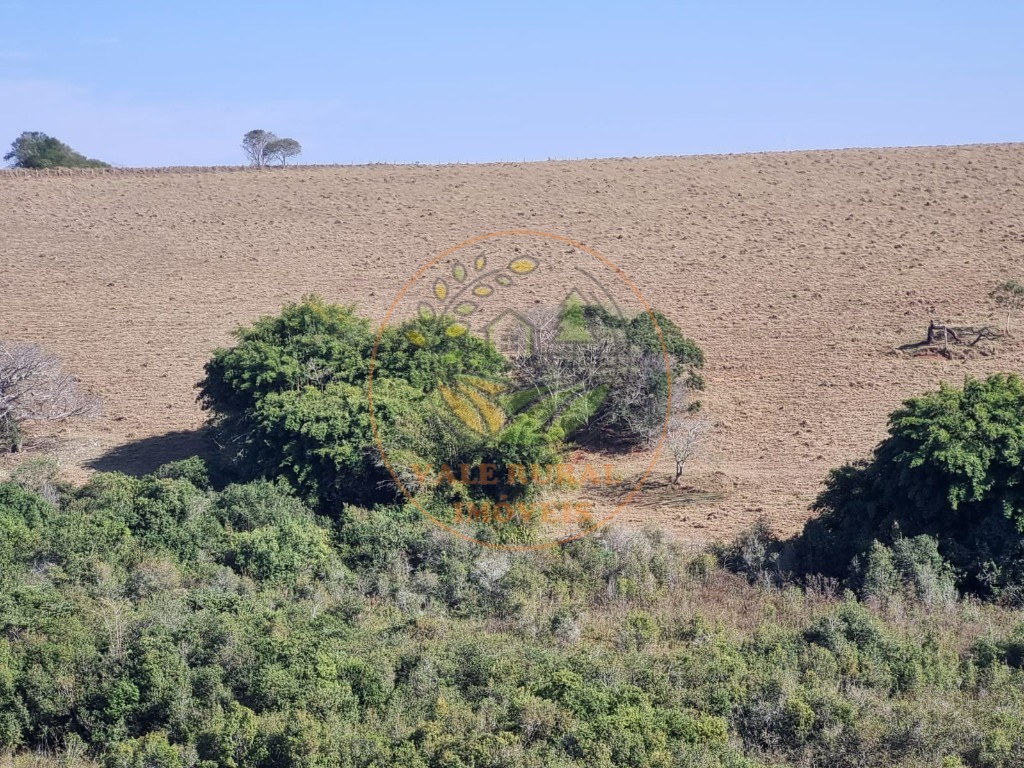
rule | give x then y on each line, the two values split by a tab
140	457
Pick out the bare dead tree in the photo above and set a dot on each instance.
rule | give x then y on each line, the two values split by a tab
1009	296
641	408
570	370
34	387
683	437
541	359
116	616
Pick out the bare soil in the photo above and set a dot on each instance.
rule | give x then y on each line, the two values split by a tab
798	273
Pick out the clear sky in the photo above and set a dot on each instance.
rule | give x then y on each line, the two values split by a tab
149	82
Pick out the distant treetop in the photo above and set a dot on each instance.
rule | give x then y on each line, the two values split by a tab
261	147
34	149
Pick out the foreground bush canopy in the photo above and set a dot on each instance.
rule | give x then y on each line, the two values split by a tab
159	622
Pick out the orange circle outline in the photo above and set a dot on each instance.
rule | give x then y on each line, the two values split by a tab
373	360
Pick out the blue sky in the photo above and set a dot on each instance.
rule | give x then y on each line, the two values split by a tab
157	83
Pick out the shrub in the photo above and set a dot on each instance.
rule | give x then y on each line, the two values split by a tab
754	552
23	515
639	629
193	469
149	751
952	468
911	566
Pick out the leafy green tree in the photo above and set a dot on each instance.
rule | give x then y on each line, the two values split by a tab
952	468
22	517
193	469
34	149
292	399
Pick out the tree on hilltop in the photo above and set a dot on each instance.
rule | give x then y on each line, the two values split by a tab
34	149
263	146
283	149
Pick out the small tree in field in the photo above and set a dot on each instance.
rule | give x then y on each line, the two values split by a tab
35	387
1009	296
255	144
683	436
283	149
263	146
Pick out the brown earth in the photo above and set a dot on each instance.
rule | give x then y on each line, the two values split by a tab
797	272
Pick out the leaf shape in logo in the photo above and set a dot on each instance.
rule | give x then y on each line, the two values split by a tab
459	272
463	408
426	311
523	266
493	415
455	330
470	401
483	290
441	290
489	386
465	309
480	263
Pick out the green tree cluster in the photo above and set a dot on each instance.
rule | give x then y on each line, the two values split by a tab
34	149
293	399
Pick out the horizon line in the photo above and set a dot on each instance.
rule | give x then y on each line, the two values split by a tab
66	170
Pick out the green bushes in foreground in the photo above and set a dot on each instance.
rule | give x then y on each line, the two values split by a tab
169	622
156	622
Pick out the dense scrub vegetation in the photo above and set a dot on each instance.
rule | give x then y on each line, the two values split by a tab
290	612
290	401
158	622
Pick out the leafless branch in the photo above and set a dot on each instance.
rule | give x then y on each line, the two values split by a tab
35	387
683	437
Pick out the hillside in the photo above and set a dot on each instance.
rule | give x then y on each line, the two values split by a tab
798	273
